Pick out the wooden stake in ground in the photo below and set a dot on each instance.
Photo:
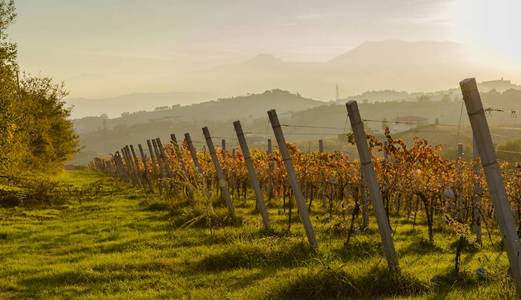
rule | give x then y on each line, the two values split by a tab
147	174
219	171
138	168
162	156
476	199
159	161
495	182
252	174
182	164
366	165
320	146
188	140
130	165
154	166
292	177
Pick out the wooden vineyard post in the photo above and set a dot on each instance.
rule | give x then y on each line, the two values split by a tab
147	174
118	166
179	155
159	160
154	167
138	168
130	166
496	186
320	146
123	167
251	171
476	199
292	177
162	155
193	154
219	171
366	165
198	168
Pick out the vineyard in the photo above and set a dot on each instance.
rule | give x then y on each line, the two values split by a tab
458	200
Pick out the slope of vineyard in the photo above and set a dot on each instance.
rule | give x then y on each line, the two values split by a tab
114	241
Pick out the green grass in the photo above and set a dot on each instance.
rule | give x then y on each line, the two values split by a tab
123	244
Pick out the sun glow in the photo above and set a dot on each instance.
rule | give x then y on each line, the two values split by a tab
493	27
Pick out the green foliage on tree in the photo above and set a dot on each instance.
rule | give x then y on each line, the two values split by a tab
35	133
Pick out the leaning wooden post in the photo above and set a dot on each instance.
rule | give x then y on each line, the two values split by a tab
159	160
130	166
366	165
193	153
495	182
165	164
292	177
219	171
124	168
179	154
120	167
251	171
198	168
154	167
138	168
476	203
147	174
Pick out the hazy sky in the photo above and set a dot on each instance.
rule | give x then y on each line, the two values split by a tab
111	47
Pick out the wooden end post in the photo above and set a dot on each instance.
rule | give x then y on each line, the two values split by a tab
292	177
251	171
366	165
496	186
219	171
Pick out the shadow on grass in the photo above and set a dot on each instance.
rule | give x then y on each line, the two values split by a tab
339	284
445	283
359	249
77	277
419	246
164	267
264	253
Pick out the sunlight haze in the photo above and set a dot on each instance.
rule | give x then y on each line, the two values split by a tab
110	48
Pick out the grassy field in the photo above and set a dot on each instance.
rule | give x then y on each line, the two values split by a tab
120	243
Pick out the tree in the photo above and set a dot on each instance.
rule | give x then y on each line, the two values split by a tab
35	132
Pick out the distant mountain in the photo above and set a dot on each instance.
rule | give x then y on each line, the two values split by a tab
383	54
397	65
114	106
378	65
225	109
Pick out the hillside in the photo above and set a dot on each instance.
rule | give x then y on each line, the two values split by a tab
114	106
250	106
307	121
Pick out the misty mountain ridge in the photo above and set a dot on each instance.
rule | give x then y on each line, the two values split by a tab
374	65
223	109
